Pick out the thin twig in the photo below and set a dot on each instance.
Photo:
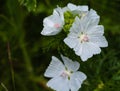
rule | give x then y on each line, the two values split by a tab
11	66
4	87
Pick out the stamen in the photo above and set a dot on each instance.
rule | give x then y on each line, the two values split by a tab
65	74
57	25
83	37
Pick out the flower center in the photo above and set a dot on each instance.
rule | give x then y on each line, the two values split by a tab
57	25
83	37
66	74
83	15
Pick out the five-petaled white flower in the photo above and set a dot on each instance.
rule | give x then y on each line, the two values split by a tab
65	77
53	24
86	36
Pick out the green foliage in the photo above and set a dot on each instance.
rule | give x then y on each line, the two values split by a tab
31	52
30	4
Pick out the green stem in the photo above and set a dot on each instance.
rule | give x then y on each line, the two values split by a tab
26	57
41	81
11	66
4	87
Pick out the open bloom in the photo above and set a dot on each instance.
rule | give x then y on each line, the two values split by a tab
65	77
86	36
53	24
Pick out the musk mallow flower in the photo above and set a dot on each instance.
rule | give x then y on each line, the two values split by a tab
70	12
77	9
64	76
86	36
74	9
53	24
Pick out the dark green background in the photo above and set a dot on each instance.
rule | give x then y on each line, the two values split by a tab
25	53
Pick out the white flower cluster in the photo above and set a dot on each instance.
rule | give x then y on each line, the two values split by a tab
84	36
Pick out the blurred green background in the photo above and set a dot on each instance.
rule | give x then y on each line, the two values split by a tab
25	53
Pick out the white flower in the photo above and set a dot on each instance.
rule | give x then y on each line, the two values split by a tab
86	36
53	24
65	77
73	7
80	10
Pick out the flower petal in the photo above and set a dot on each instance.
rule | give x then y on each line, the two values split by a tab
48	31
76	80
53	24
55	68
77	26
78	48
90	19
48	21
60	12
96	30
73	7
87	50
71	42
58	84
72	38
83	8
69	64
99	40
